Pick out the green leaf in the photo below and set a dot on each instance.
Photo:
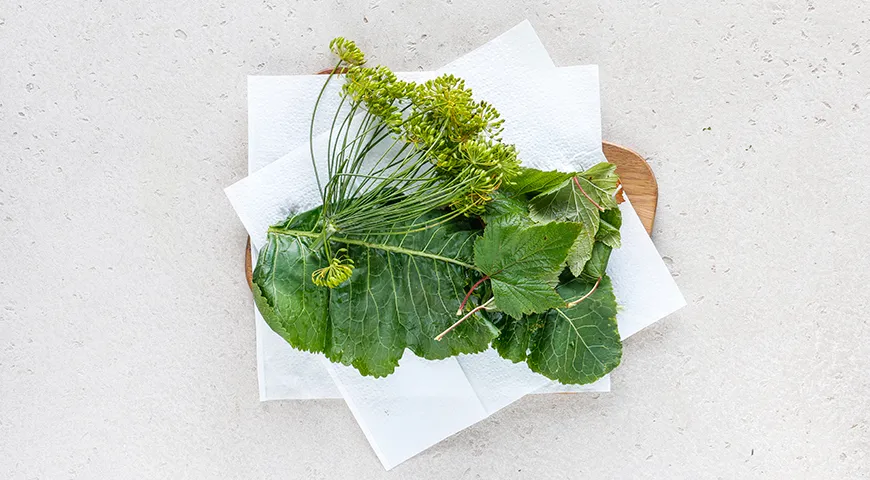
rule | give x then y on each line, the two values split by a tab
575	345
405	289
600	182
597	265
530	180
513	341
505	210
570	203
524	263
291	304
305	221
581	251
608	228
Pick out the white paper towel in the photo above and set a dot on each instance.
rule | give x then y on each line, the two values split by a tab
419	405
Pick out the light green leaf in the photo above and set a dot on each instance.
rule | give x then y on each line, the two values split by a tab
564	204
608	228
575	345
524	263
570	203
600	182
405	290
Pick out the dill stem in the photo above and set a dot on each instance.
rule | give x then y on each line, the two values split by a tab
311	131
374	245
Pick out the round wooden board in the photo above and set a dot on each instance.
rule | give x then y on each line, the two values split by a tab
636	176
638	181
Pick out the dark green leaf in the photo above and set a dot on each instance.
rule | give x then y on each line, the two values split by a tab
513	341
291	304
597	264
576	345
305	221
405	290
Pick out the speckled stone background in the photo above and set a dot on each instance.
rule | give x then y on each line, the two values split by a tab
126	337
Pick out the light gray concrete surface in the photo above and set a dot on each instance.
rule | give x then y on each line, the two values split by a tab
126	337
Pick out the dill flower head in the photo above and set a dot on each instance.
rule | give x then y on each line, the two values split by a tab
334	274
378	90
447	104
347	51
458	137
463	138
489	165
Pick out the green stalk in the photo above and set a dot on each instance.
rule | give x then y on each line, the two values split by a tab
311	130
332	129
376	246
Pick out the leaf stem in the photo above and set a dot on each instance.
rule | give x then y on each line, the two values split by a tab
577	182
468	315
584	297
468	295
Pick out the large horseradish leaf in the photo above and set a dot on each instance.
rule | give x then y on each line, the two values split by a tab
405	289
575	345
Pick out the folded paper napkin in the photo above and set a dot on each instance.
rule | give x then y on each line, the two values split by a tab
553	117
